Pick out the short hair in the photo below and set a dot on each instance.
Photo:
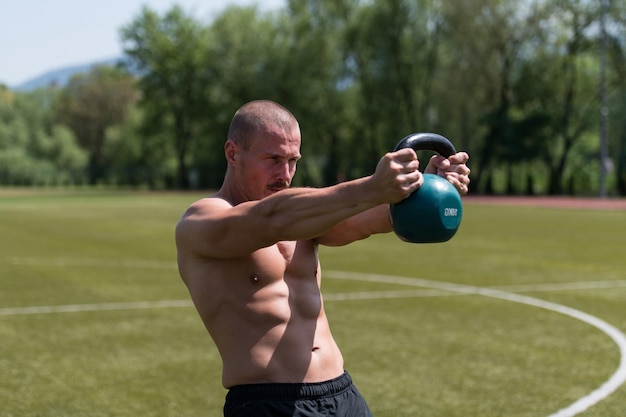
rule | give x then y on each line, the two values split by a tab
255	116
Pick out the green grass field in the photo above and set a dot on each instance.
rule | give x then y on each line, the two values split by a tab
94	320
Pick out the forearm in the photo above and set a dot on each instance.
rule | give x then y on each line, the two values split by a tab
360	226
306	213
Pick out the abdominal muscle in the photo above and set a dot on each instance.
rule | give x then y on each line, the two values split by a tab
297	349
266	316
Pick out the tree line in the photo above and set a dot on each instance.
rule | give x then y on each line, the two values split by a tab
527	87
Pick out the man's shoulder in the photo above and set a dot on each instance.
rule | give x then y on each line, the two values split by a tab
214	200
209	203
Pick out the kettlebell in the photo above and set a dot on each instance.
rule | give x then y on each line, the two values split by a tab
433	212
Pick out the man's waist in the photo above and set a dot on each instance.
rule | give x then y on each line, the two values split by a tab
290	391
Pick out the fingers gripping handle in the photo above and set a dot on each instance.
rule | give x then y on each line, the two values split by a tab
427	141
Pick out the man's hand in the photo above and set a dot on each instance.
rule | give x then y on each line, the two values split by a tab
453	169
397	176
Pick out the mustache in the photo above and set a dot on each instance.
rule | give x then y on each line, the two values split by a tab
278	185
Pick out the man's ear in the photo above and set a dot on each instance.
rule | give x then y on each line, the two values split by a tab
231	150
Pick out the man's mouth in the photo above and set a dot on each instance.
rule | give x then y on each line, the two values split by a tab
278	186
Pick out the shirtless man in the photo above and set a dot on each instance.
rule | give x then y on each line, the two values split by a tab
248	255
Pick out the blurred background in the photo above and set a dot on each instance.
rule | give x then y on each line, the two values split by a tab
534	90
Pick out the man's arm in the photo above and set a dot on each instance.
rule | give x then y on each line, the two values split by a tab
357	227
213	228
377	219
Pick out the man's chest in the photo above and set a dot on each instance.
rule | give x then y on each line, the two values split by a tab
286	260
300	258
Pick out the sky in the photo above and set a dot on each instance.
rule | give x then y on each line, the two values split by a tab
37	36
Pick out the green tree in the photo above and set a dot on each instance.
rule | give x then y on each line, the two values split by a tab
316	86
90	104
171	55
483	49
565	74
244	65
393	58
34	148
512	82
292	57
616	88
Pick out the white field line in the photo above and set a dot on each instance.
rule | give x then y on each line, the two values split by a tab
81	308
580	405
565	286
363	295
88	262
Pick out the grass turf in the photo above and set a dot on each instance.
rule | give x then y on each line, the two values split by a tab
414	353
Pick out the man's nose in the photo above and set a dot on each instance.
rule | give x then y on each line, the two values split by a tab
284	171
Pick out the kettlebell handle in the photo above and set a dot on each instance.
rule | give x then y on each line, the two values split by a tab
427	141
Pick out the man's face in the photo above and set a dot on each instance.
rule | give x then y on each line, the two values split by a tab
269	165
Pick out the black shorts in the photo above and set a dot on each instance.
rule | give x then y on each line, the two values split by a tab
337	398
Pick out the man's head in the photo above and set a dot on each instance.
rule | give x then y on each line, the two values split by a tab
262	149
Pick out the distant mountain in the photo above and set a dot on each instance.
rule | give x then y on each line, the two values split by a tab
60	77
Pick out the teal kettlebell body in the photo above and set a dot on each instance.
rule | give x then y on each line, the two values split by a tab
433	213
